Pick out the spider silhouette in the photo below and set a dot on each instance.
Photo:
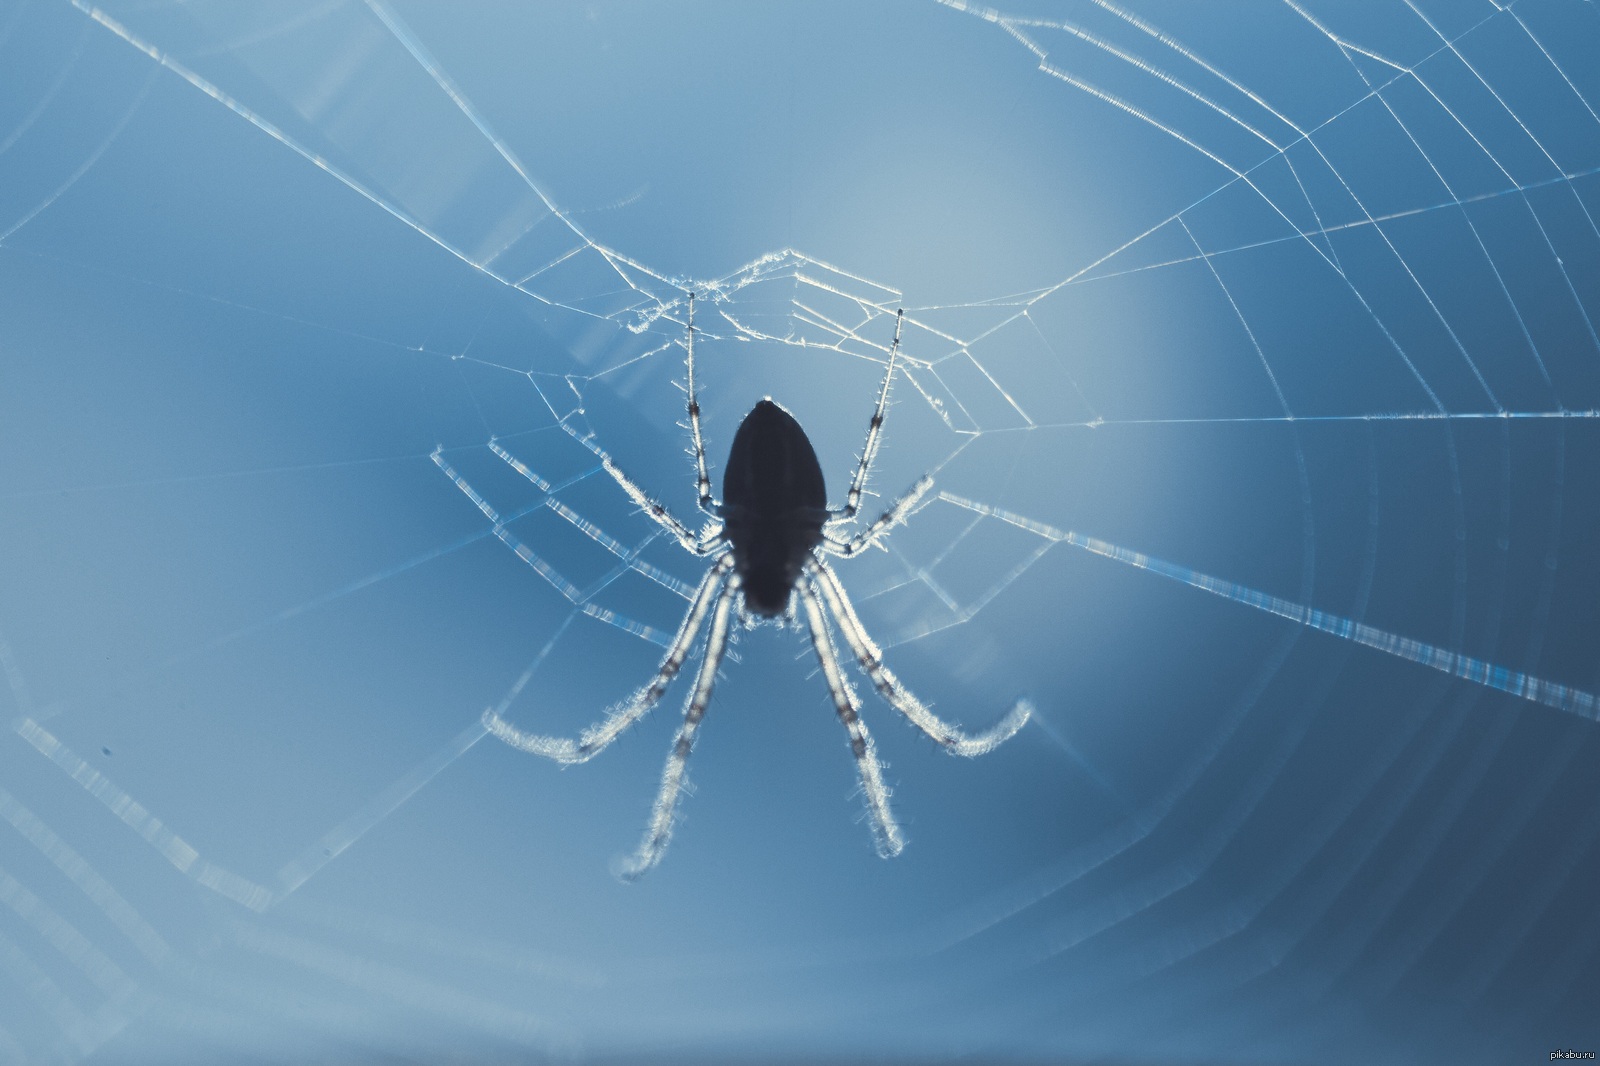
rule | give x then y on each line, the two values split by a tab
769	537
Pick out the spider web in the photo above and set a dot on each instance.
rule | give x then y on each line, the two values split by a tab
1332	363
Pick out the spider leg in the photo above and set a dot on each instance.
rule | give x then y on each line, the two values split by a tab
869	451
659	831
870	658
702	482
706	542
599	736
885	832
898	512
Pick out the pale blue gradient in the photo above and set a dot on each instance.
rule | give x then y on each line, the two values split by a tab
1253	350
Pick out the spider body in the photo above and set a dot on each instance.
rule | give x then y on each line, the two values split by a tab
774	506
768	541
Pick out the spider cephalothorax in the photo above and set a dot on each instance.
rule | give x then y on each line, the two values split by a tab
769	538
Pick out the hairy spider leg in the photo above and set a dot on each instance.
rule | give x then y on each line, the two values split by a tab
579	598
870	658
629	556
708	542
885	832
599	736
659	832
710	539
702	483
869	451
897	512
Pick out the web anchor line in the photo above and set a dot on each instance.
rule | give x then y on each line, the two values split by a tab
1566	698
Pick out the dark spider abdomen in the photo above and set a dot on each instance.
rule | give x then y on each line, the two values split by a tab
774	505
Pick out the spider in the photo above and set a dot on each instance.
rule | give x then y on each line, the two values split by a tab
768	539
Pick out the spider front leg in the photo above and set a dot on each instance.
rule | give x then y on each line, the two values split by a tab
710	538
885	832
702	480
870	658
599	736
659	831
898	512
869	451
707	542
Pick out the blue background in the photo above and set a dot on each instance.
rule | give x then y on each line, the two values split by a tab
1299	301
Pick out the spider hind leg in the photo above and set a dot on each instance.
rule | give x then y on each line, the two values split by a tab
886	835
949	737
674	776
599	736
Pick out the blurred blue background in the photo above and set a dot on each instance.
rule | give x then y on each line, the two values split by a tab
1299	297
